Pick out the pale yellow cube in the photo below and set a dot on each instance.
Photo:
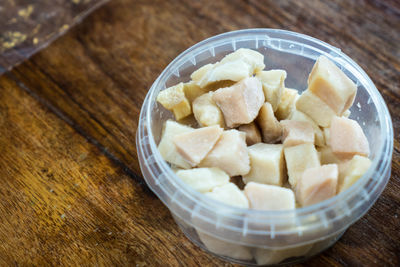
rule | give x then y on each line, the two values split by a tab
271	129
253	135
300	116
174	99
269	197
298	159
356	168
331	85
273	83
315	108
267	164
203	179
287	104
206	111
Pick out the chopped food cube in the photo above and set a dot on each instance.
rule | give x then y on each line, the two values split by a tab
327	156
203	179
193	91
229	154
197	75
347	138
229	194
206	111
195	145
287	104
236	66
356	168
331	85
266	164
300	116
273	83
271	129
241	102
167	147
275	256
253	135
269	197
317	184
174	99
309	159
315	108
297	132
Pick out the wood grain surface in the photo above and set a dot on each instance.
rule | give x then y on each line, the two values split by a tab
71	189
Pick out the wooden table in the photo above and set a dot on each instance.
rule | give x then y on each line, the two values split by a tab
71	188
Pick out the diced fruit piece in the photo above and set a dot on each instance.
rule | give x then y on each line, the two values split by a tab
269	197
270	127
356	168
253	135
203	179
167	147
206	111
236	66
193	91
174	99
266	164
229	194
229	154
331	85
327	136
275	256
197	75
241	102
317	184
287	104
315	108
195	145
327	156
273	83
298	159
347	138
297	132
300	116
224	248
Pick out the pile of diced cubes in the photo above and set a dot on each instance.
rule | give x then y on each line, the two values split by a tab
241	137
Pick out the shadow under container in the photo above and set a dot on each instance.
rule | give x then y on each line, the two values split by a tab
253	237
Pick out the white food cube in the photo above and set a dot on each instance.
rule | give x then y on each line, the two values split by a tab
356	168
193	91
236	66
275	256
300	116
297	133
287	104
253	135
331	85
203	179
198	75
327	156
167	148
195	145
269	197
266	164
174	99
315	108
206	111
347	138
229	154
298	159
317	184
273	83
241	102
271	129
229	194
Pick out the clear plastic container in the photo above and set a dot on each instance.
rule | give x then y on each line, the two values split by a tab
253	237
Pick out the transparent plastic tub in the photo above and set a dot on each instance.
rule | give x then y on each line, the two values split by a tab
253	237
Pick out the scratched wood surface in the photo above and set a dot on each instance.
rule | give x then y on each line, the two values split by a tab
71	189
